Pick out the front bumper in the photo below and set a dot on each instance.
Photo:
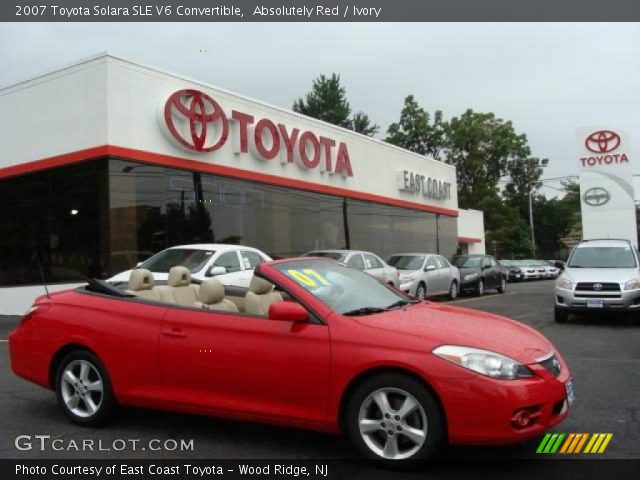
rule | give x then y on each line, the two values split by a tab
486	417
572	300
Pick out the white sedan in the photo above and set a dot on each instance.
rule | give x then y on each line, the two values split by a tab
231	264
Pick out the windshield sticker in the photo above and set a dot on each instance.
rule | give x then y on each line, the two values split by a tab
308	278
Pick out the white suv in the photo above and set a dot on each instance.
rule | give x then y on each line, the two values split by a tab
231	264
600	275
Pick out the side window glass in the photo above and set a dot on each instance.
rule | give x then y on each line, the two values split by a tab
493	261
441	263
250	260
486	262
228	260
431	262
372	261
356	262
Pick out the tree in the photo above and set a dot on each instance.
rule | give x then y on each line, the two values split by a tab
480	146
553	220
524	177
504	226
415	131
327	101
361	123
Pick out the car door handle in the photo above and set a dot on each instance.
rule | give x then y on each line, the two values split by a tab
174	333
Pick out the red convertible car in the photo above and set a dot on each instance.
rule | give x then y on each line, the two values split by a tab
311	344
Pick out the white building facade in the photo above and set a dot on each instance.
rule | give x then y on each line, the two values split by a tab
106	162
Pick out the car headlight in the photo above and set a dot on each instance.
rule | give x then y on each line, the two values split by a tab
487	363
562	282
471	276
632	284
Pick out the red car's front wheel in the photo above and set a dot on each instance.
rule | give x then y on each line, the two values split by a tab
394	419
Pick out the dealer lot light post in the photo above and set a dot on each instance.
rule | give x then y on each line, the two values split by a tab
537	162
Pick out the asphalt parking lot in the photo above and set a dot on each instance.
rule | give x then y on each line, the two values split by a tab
603	354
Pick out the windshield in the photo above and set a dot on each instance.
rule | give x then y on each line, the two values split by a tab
193	259
333	255
343	289
467	262
602	257
407	262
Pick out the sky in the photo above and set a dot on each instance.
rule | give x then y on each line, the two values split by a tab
547	78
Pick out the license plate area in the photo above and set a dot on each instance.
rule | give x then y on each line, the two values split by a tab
570	394
595	303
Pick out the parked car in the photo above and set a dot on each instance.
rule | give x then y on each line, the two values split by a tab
480	272
231	264
360	260
339	352
532	270
514	271
426	274
551	270
600	275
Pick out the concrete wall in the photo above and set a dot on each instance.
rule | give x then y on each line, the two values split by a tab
471	231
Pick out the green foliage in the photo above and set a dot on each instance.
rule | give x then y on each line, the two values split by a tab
416	132
504	226
553	220
481	146
361	123
524	175
327	101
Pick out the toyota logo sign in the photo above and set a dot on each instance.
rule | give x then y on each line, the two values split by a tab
208	127
596	196
602	141
597	287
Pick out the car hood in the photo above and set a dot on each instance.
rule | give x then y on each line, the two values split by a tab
468	270
408	273
613	275
442	324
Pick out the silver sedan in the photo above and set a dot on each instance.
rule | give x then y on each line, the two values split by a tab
426	274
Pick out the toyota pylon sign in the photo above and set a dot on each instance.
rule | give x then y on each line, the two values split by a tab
607	199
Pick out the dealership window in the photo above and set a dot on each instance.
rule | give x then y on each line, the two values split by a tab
103	216
55	216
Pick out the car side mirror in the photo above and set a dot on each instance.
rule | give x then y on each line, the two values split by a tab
484	267
213	271
138	264
430	268
284	311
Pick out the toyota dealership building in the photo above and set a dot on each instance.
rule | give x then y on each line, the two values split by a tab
105	162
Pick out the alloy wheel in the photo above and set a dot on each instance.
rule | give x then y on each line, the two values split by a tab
82	388
392	423
453	291
421	292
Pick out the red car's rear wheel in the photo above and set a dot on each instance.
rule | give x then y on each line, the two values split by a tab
83	389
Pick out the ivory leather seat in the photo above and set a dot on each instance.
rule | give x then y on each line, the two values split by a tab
179	283
260	296
142	284
211	297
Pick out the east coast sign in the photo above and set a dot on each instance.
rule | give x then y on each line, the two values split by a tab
424	185
195	122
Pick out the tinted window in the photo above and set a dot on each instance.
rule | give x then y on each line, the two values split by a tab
228	260
250	259
194	260
486	262
602	257
407	262
372	262
356	262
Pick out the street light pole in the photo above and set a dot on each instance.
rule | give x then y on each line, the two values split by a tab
533	235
